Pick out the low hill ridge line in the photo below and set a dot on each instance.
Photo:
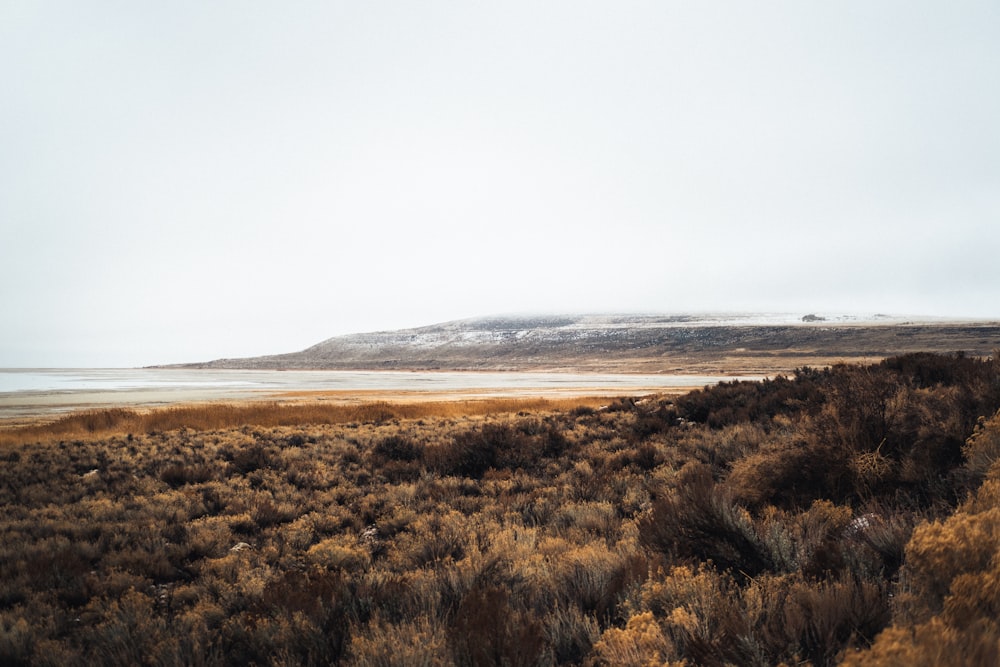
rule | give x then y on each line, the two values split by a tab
660	343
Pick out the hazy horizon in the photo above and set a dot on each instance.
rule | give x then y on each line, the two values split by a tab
185	182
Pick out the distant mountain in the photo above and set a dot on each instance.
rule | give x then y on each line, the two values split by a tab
635	343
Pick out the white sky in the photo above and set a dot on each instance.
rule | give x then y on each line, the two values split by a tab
184	180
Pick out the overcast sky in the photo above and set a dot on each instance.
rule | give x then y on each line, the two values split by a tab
182	181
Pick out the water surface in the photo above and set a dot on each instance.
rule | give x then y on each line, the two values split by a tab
26	391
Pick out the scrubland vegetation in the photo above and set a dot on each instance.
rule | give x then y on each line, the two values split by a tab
219	415
850	515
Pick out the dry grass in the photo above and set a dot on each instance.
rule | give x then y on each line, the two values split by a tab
101	423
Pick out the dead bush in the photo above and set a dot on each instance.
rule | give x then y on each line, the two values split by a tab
700	521
177	475
488	630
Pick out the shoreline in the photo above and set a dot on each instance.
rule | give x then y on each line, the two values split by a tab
43	415
18	408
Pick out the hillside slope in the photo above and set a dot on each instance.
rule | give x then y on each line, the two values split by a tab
623	343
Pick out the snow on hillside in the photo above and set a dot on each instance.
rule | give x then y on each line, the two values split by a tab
510	329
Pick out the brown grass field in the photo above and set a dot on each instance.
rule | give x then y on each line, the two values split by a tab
290	410
848	515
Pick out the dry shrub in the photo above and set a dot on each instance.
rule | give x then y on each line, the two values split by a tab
129	631
931	644
415	643
431	539
595	518
819	620
811	542
466	455
974	600
177	475
115	583
982	449
299	617
627	456
597	578
703	616
876	541
762	477
870	469
701	595
736	442
940	551
571	633
740	402
827	540
708	618
950	583
864	407
310	475
490	630
266	513
279	638
337	554
317	593
700	521
57	563
17	639
650	423
792	473
640	643
397	447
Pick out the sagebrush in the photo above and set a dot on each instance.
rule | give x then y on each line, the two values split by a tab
844	514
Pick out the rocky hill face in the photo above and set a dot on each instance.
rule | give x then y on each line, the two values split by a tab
634	343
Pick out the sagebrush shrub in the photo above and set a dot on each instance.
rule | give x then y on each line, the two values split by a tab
700	521
641	642
490	630
750	523
982	449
